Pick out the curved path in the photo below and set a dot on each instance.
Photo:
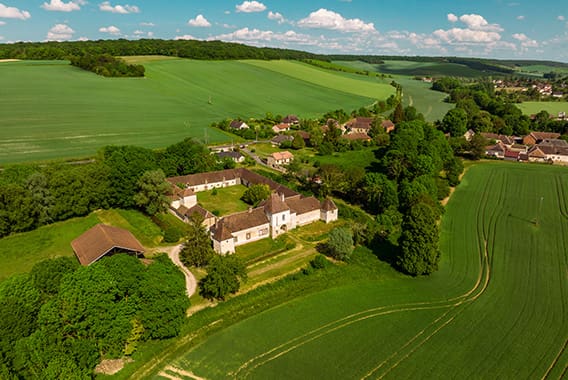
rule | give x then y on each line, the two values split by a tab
190	281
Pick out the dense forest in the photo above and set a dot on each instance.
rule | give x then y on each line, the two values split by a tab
58	321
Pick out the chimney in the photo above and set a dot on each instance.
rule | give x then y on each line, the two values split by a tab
250	210
282	196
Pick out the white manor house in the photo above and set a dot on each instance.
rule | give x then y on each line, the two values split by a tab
283	211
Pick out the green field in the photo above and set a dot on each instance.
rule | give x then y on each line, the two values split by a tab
553	108
412	68
19	252
52	110
415	93
495	309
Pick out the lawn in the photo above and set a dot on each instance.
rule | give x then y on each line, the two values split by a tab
19	252
53	110
495	309
362	158
223	201
553	108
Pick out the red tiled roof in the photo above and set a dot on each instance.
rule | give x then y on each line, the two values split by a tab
303	205
328	205
282	155
238	222
100	240
274	204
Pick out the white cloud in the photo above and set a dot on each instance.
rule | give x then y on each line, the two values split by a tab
526	42
12	12
561	18
83	39
250	7
60	6
110	30
121	9
150	34
520	18
276	16
149	24
199	21
185	37
60	32
2	23
477	22
326	19
458	35
452	17
227	12
1	38
248	35
138	33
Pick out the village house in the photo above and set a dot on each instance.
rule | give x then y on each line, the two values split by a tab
497	150
291	120
356	137
359	125
279	139
503	139
238	124
469	135
537	137
235	156
388	126
282	127
556	150
283	211
280	158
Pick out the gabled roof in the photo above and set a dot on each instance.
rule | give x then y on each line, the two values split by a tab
360	123
356	136
237	124
184	211
100	240
282	155
536	152
511	154
232	155
291	119
279	139
387	125
538	136
224	229
328	205
303	205
281	127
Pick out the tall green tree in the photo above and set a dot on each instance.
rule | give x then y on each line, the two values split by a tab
340	243
419	252
224	276
256	194
197	250
455	122
152	192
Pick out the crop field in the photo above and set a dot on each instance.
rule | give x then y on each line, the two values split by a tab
411	68
553	108
495	309
53	110
415	93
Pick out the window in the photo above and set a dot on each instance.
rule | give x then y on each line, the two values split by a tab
283	217
263	232
248	235
236	239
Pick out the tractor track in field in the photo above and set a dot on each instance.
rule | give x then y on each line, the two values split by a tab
442	321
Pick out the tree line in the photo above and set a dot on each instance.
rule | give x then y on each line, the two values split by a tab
107	65
60	320
32	195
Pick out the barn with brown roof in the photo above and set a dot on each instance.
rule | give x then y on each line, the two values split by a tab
103	240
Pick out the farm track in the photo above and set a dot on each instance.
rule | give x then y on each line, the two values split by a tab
454	305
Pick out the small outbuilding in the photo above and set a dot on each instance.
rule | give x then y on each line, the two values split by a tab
103	240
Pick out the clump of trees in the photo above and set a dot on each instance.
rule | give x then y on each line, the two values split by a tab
121	177
197	250
339	244
255	194
107	65
224	277
59	320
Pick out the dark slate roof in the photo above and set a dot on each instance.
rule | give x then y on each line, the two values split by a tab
231	155
100	240
291	119
279	139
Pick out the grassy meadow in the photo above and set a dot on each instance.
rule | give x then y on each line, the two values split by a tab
53	110
415	93
553	108
223	201
495	309
19	252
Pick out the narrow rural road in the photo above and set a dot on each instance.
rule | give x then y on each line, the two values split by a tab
190	281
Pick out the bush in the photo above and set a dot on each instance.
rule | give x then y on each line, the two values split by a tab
172	235
319	262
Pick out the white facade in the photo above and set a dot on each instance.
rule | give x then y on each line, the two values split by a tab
329	216
214	185
308	217
280	223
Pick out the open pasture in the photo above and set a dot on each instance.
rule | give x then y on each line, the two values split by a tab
553	108
415	93
496	309
53	110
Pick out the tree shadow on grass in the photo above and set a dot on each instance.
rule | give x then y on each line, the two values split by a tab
385	251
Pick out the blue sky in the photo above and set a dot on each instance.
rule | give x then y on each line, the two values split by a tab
482	28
